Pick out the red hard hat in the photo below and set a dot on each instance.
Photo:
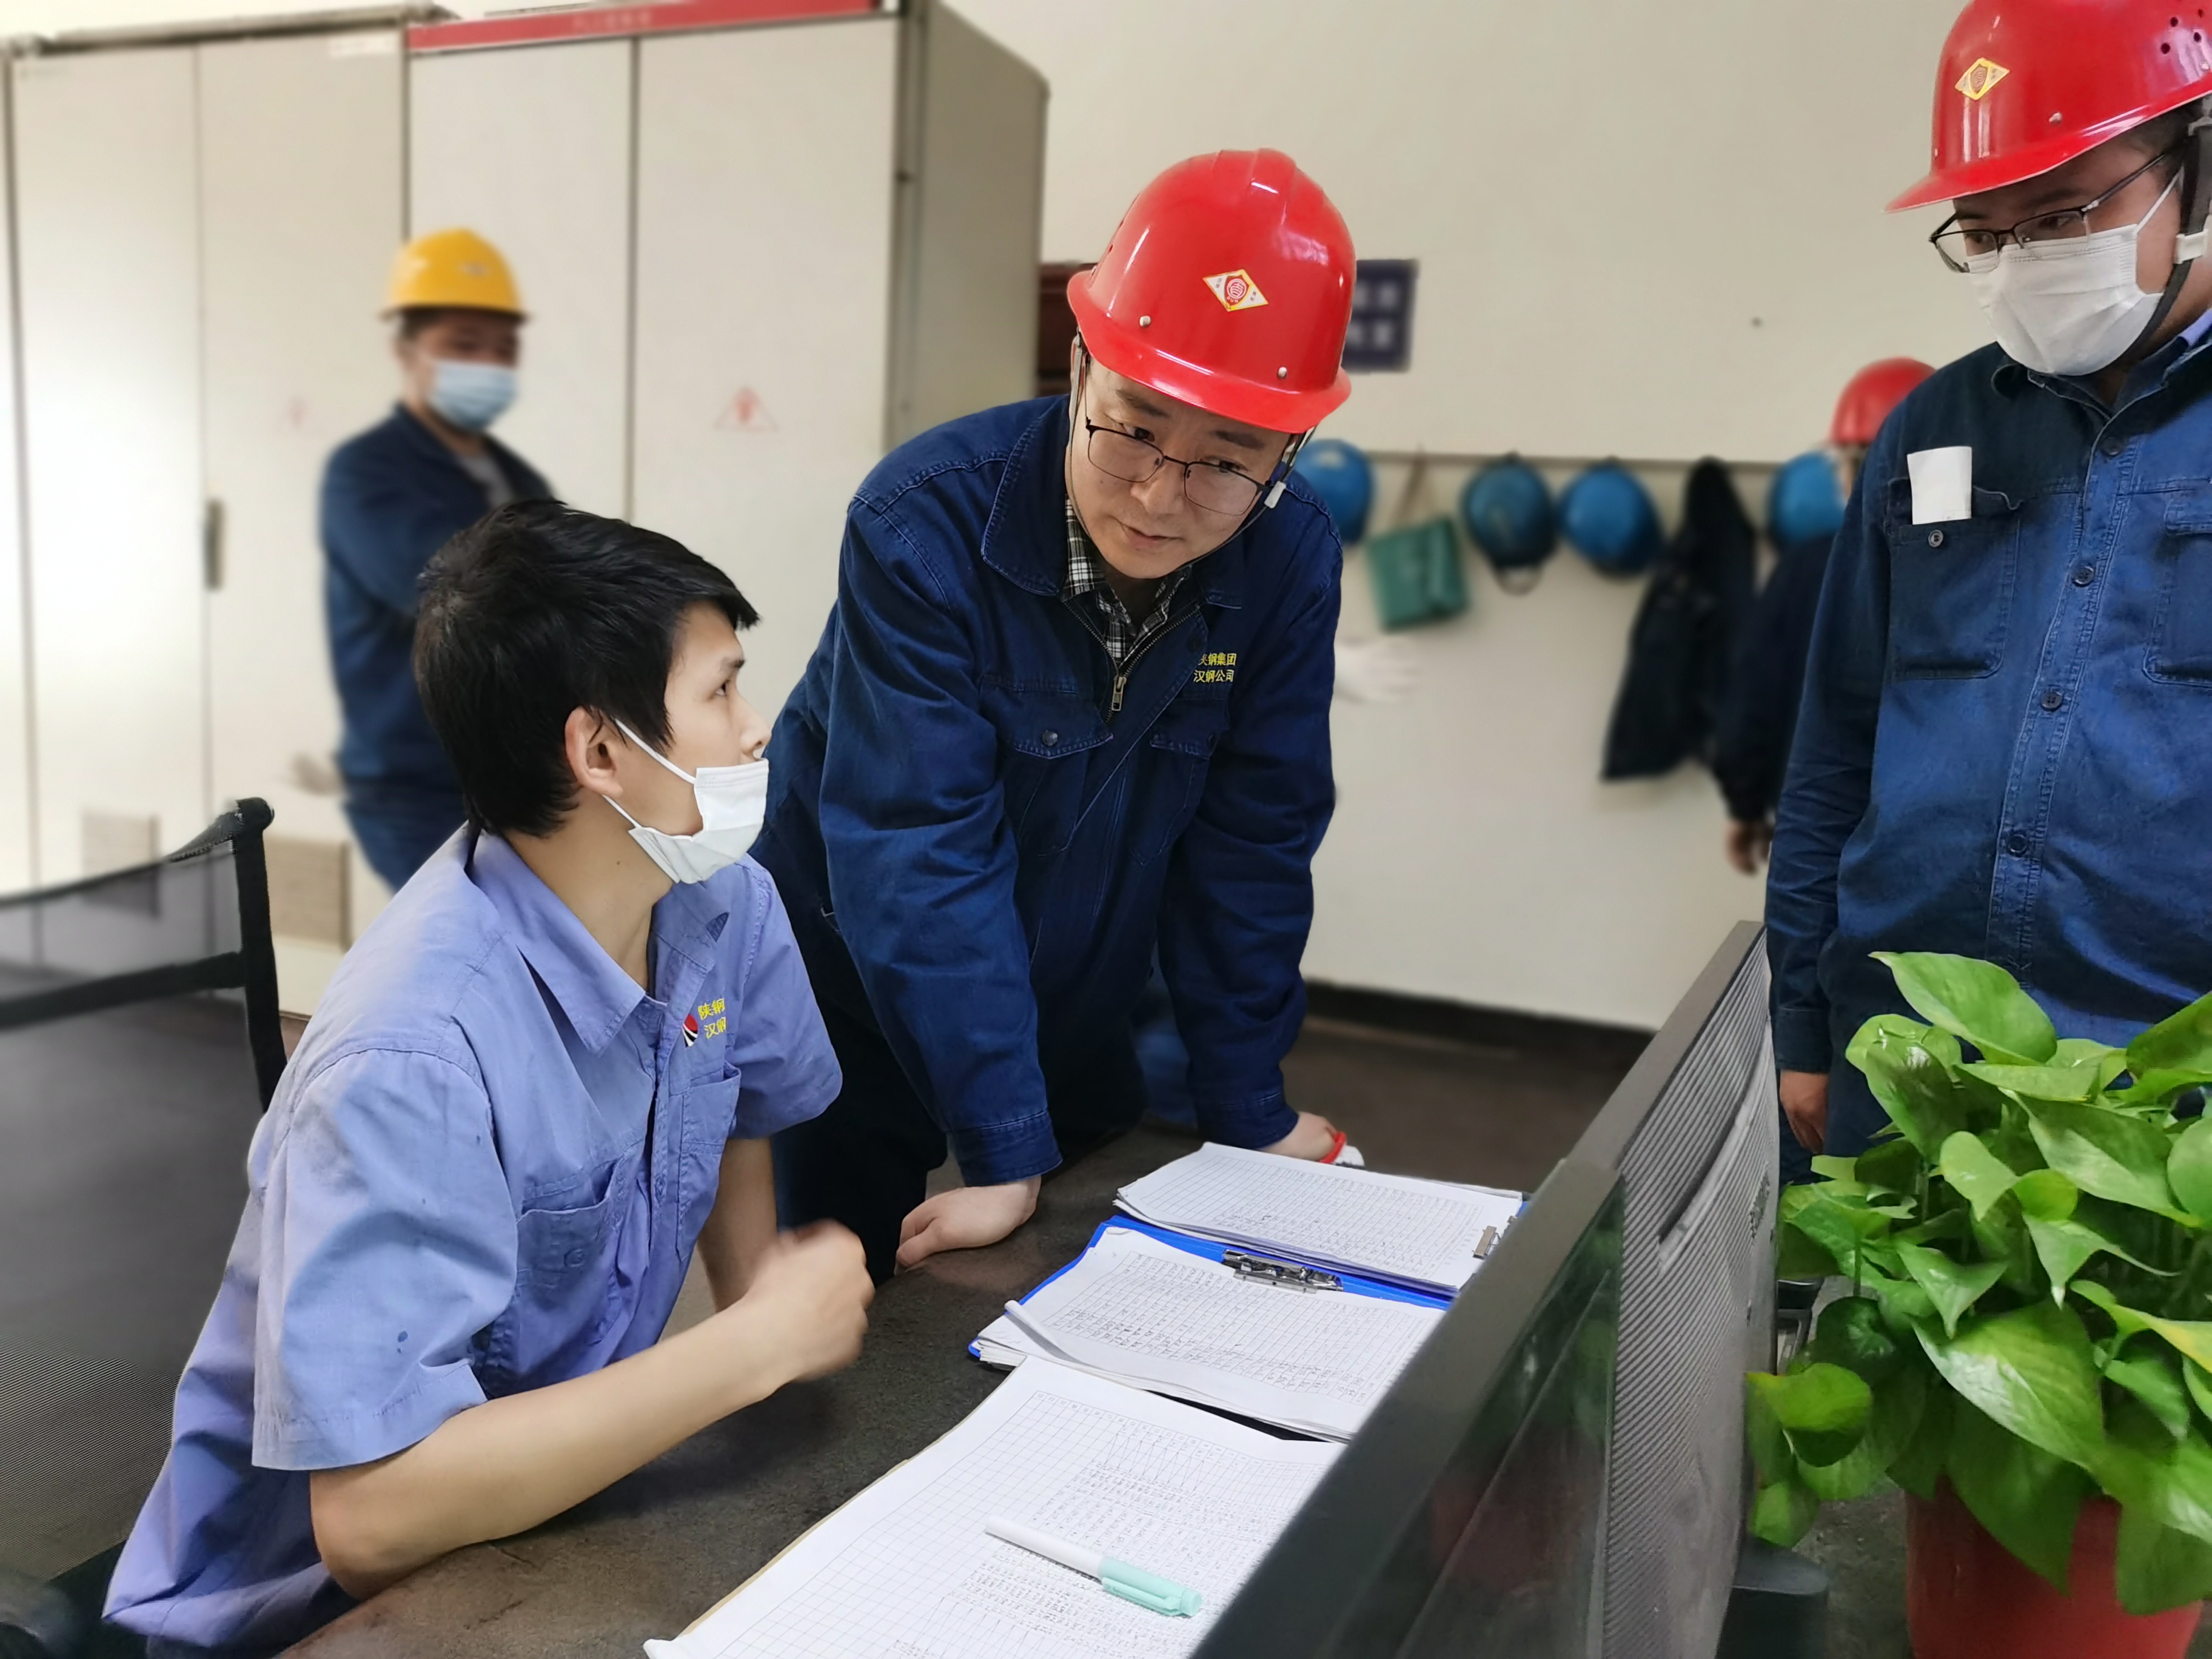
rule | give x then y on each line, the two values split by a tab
1227	285
2025	86
1869	396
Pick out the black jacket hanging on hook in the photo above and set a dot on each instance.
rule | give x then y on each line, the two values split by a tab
1684	640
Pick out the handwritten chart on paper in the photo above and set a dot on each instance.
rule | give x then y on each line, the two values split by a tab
905	1570
1145	1312
1426	1233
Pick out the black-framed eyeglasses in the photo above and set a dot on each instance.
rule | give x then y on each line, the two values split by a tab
1955	243
1221	487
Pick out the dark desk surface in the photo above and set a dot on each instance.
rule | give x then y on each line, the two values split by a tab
653	1551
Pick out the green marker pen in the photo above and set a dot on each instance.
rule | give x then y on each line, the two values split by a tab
1146	1589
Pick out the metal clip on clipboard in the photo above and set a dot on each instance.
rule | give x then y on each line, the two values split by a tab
1288	1274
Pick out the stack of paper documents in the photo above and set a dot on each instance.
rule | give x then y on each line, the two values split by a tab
1424	1235
1165	1313
905	1570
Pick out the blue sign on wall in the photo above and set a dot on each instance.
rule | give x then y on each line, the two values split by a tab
1381	336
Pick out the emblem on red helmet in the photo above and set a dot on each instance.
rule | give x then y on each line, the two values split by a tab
1235	290
1981	75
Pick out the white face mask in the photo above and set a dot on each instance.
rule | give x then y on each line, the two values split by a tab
2071	307
733	801
470	396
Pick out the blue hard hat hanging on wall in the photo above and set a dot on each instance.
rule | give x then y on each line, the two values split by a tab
1508	512
1338	472
1805	502
1608	516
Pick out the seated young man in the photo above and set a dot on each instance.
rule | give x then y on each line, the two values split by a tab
545	1073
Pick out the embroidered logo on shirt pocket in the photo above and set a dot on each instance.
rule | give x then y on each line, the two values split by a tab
2181	635
1951	589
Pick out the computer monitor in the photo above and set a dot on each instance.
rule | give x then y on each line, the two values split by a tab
1559	1473
1467	1516
1694	1132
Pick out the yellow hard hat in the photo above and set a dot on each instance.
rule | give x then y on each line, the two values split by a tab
452	267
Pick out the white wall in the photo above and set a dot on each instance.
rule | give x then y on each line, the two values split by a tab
1649	231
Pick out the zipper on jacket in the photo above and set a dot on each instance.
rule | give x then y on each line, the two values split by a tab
1121	685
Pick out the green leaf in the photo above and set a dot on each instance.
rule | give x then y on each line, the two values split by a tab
1783	1513
2155	1378
2170	1479
1891	1424
1952	1286
2155	1088
1797	1256
1904	1303
1891	1166
2188	1168
2190	1338
2105	1153
1920	1465
1838	1226
2025	1498
1976	1001
2063	1246
1836	1168
2030	1370
2199	1382
1770	1448
2038	1082
2102	1058
1975	1173
2046	1195
2158	1568
1822	1409
1851	1333
1907	1067
2181	1042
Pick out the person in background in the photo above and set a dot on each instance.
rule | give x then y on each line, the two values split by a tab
1073	700
2002	753
545	1075
391	497
1759	714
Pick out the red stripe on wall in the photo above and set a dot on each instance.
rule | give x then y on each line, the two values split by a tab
657	17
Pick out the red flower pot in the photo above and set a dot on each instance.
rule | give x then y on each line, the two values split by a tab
1967	1597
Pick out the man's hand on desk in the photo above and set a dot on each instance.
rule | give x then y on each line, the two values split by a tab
1314	1137
1805	1103
966	1219
808	1300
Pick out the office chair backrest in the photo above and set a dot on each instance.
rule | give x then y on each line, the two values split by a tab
139	1043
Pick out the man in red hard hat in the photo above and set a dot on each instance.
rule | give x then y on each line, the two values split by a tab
1074	697
2002	753
1759	715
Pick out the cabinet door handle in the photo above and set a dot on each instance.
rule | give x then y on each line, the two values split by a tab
211	545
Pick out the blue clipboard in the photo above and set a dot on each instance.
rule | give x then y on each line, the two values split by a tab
1213	1249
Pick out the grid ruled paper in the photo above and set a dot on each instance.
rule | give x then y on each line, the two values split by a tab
1142	1311
905	1570
1427	1233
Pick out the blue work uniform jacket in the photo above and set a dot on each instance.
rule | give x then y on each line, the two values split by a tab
391	497
2005	746
977	847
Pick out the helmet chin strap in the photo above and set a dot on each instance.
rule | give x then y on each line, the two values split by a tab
2195	203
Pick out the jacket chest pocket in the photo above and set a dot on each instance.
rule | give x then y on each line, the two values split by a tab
1951	589
1043	729
1180	751
2181	631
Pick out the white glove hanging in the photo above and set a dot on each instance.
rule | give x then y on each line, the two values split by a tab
732	802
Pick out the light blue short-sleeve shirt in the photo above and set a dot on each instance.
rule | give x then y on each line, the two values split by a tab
484	1172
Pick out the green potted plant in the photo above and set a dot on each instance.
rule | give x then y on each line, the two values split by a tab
2026	1346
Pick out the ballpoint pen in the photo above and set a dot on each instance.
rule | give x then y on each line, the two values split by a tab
1146	1589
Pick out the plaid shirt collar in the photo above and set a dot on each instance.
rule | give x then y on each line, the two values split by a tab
1086	590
